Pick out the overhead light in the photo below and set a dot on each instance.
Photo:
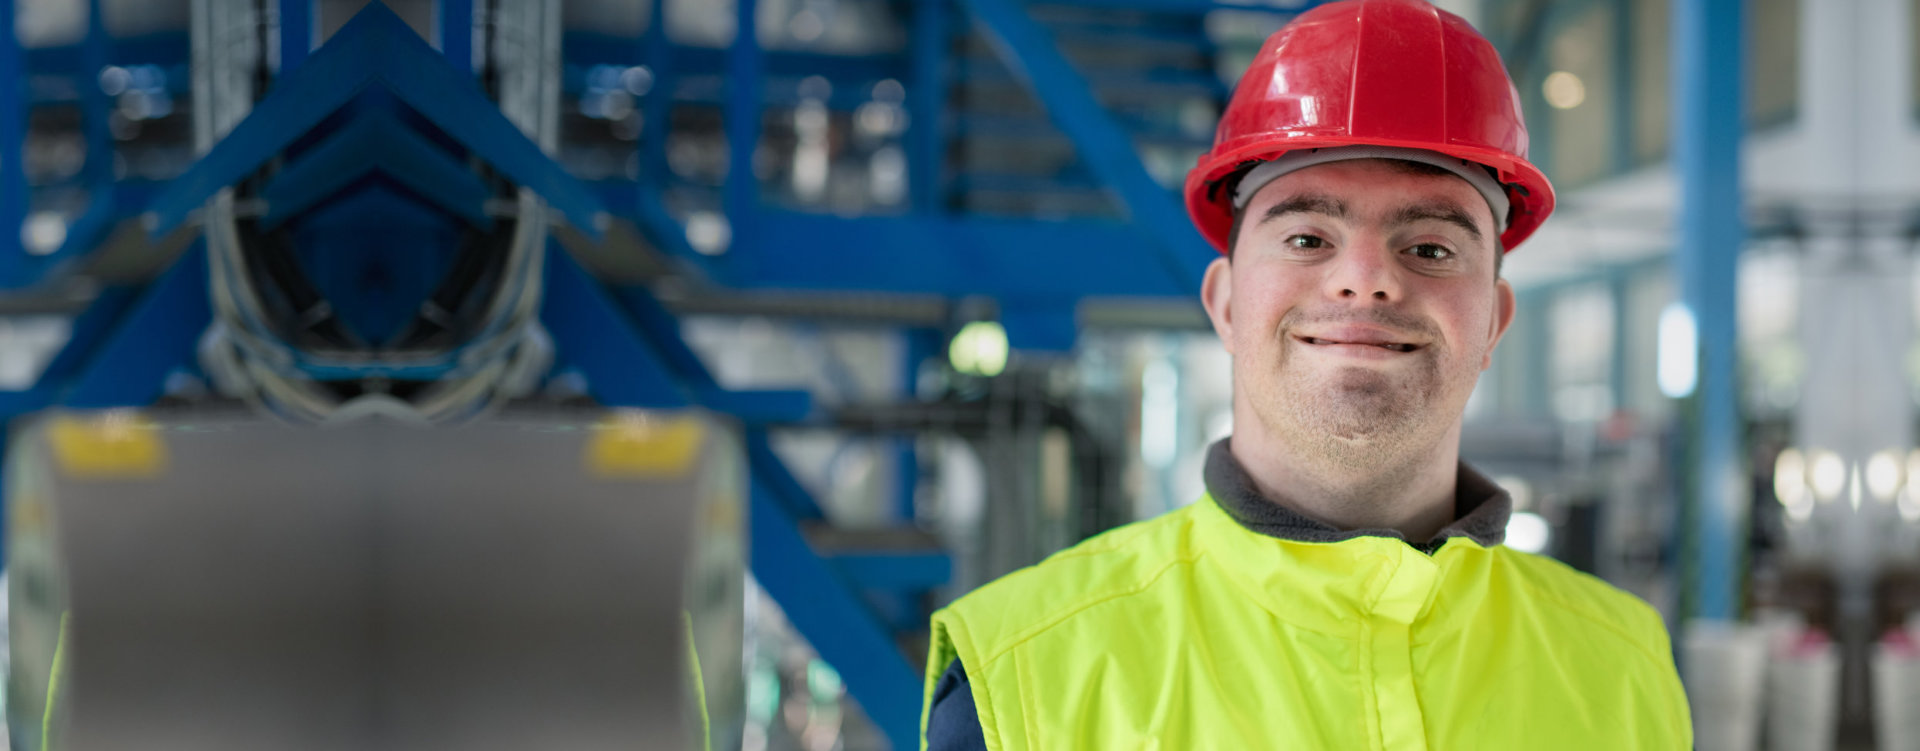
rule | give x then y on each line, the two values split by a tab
979	349
1790	478
1827	473
1883	475
1564	90
43	232
709	233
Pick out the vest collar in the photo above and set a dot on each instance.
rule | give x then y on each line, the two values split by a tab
1481	508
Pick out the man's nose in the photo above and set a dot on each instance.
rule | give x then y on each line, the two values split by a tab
1364	271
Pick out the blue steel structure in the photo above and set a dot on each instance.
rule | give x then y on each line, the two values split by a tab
1708	55
627	344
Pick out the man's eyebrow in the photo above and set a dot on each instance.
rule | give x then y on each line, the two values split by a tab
1442	211
1306	203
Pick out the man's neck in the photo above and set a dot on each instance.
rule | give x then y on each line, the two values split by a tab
1412	496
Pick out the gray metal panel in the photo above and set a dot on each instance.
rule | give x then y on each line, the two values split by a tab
379	586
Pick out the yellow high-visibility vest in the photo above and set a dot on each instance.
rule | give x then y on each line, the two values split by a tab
1189	631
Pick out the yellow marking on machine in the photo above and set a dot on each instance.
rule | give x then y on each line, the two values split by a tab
643	446
114	445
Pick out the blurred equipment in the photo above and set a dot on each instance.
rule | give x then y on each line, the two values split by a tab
1725	667
534	580
357	261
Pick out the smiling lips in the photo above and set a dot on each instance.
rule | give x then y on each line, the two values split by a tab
1358	340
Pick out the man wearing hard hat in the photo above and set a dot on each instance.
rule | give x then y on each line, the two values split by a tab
1342	584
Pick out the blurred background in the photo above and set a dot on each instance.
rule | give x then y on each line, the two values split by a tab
923	262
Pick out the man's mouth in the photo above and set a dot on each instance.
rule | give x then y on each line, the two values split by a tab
1386	345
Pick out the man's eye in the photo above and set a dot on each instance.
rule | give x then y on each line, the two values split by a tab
1306	242
1431	252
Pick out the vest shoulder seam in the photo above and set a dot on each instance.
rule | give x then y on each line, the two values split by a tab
1586	611
1042	625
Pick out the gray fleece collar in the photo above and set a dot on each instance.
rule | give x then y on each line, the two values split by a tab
1481	508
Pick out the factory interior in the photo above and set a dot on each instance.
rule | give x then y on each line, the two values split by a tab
650	384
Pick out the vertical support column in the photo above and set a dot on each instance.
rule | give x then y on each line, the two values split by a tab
917	346
296	33
744	68
13	136
926	100
1708	37
95	52
455	24
657	107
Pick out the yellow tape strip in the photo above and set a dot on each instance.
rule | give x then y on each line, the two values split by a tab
113	445
638	445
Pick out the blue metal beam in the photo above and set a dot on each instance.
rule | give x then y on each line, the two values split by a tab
917	347
826	608
1708	41
377	48
1039	325
456	33
94	105
951	256
376	142
167	49
630	362
296	34
589	334
894	570
157	335
772	474
657	104
927	105
86	231
744	71
1104	146
15	270
661	332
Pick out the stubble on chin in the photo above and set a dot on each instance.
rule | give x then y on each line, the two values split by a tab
1354	417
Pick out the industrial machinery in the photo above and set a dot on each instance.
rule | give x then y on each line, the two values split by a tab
220	581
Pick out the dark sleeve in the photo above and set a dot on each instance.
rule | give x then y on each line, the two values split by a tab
953	725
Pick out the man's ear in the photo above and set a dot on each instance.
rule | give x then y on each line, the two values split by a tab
1216	292
1503	307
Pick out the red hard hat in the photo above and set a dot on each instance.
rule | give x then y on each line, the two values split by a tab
1398	73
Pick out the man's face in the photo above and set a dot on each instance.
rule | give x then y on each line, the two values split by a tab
1360	307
